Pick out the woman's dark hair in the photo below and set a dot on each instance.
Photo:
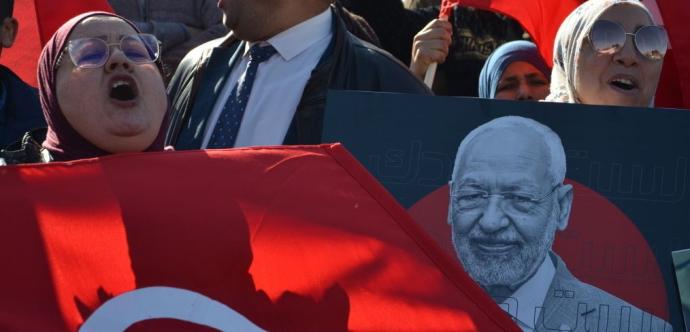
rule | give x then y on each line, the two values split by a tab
6	9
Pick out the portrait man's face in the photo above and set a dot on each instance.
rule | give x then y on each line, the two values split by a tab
506	206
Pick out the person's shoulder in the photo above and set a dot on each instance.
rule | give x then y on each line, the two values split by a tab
189	66
203	51
373	53
590	294
199	51
571	287
568	288
10	78
4	71
390	70
22	102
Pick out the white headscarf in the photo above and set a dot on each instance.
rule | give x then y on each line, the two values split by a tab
568	43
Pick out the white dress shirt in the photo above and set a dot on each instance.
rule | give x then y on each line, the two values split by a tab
522	304
279	82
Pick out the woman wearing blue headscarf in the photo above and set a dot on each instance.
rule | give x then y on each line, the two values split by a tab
515	71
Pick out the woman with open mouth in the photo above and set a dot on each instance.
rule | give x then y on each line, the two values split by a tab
101	91
608	52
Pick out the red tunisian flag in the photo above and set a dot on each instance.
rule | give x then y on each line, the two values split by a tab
284	239
674	86
38	20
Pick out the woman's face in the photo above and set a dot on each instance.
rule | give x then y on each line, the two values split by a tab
626	78
118	107
522	81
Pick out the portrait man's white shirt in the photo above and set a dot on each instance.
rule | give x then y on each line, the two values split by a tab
522	303
279	82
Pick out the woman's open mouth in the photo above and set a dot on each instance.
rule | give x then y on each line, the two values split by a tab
123	90
624	83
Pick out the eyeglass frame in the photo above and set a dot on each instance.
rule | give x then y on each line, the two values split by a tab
502	196
634	39
109	54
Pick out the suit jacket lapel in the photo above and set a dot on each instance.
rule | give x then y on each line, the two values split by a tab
562	310
214	76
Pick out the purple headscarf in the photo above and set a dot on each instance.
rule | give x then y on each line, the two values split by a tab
62	140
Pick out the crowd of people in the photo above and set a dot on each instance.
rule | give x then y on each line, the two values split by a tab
134	81
188	75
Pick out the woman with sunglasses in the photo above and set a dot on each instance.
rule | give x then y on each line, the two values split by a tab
101	91
608	52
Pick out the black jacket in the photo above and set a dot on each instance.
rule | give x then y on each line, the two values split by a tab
21	111
347	64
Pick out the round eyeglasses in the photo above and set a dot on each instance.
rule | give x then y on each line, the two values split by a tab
92	52
511	202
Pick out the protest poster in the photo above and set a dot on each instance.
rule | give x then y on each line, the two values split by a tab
623	204
266	238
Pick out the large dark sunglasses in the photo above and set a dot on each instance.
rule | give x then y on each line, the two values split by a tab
609	37
139	48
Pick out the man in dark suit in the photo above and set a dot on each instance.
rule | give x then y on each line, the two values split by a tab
266	82
507	201
19	107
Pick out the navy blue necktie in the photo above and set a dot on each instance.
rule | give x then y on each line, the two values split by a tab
228	125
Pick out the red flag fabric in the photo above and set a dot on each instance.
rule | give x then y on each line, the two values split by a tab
674	87
52	14
288	238
38	20
540	18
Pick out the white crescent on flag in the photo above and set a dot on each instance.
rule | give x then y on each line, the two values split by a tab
125	310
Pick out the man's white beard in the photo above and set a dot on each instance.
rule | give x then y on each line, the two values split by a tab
508	270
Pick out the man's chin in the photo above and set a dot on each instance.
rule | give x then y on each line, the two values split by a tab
497	267
494	275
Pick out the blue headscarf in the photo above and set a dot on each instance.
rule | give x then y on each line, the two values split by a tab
501	58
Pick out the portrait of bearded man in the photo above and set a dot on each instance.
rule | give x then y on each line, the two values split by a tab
507	201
